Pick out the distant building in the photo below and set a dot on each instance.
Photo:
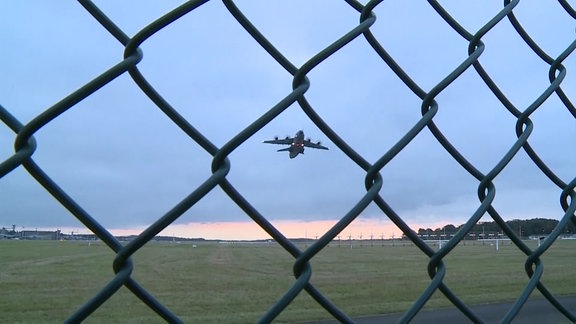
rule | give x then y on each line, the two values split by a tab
40	235
7	234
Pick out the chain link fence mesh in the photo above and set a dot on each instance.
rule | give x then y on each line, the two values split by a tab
25	146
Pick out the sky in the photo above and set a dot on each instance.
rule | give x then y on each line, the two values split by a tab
126	164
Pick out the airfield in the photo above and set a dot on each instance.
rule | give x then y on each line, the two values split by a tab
211	282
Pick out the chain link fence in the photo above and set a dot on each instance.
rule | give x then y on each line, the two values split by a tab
25	146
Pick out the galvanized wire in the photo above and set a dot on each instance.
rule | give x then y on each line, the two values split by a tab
25	145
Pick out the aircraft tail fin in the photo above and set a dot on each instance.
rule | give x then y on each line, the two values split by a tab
284	149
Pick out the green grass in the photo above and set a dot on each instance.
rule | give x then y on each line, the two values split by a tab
46	281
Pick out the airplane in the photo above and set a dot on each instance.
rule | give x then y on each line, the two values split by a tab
297	144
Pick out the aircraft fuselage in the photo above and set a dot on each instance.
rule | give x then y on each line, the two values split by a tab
297	146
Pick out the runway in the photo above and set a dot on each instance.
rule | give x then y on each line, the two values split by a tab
534	311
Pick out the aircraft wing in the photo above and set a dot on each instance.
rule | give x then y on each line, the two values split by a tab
309	143
284	141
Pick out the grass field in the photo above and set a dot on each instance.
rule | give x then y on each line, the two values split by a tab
46	281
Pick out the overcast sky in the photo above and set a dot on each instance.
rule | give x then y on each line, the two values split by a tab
126	164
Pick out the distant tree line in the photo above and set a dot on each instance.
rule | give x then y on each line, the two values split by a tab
523	228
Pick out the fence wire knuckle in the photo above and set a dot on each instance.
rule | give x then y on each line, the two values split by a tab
26	140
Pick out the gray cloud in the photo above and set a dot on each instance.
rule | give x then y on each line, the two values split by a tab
127	164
